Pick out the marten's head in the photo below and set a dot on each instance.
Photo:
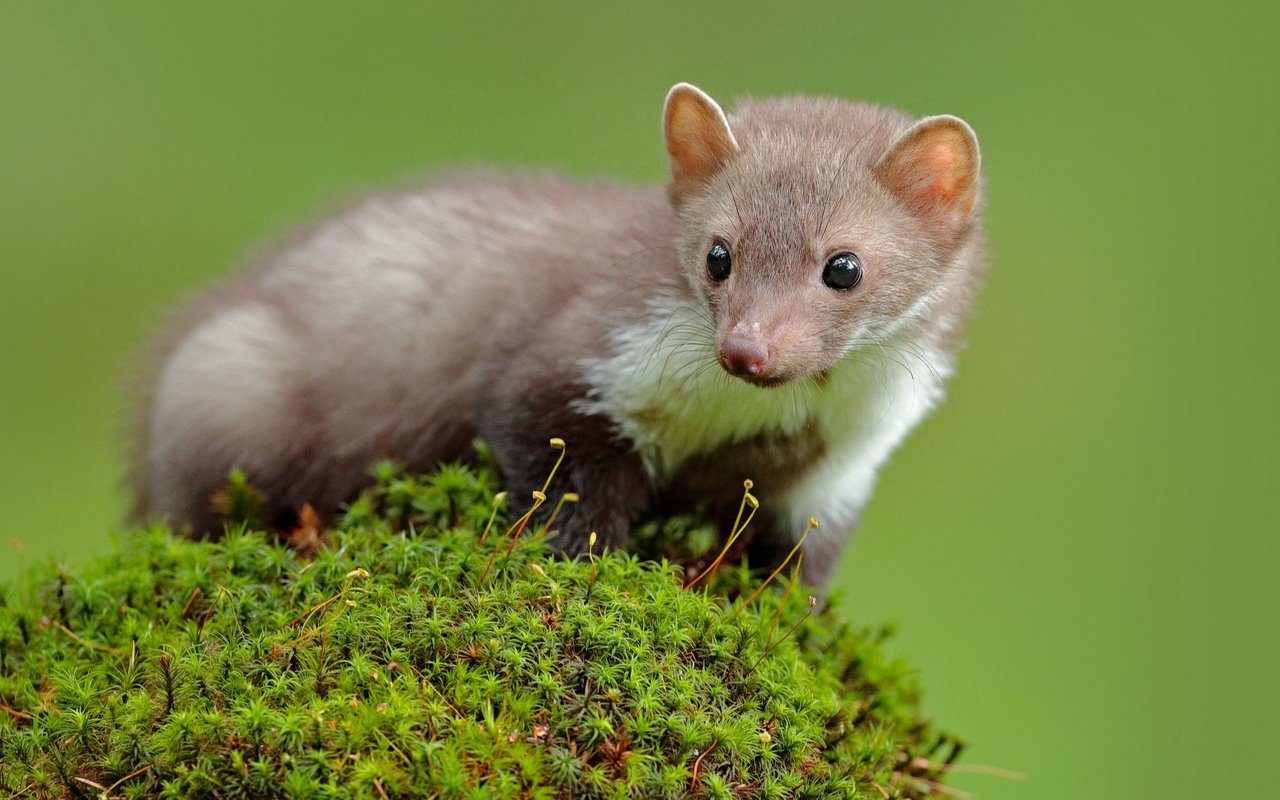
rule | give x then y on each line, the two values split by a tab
812	227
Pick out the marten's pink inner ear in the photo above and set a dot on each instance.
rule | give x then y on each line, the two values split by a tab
699	140
933	169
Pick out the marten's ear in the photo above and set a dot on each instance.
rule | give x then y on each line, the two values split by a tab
933	169
699	141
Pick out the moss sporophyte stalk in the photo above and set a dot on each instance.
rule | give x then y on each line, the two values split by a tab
419	653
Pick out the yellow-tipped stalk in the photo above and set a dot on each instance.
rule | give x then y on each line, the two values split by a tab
813	523
567	497
557	444
747	486
739	525
538	499
498	500
517	527
595	565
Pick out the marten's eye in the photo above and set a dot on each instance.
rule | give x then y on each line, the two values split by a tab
718	262
843	272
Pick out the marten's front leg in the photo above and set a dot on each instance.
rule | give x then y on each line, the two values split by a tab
604	472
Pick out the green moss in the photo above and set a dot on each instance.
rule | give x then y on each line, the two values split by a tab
391	665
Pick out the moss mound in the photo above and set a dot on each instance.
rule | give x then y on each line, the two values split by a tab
410	659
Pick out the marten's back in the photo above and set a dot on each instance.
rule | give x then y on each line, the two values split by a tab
375	333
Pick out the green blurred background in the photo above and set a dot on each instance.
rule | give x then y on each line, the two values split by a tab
1075	547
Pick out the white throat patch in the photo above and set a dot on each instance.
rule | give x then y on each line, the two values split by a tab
666	393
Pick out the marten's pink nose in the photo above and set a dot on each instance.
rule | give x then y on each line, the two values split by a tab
745	355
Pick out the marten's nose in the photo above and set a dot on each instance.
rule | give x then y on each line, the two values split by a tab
745	353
